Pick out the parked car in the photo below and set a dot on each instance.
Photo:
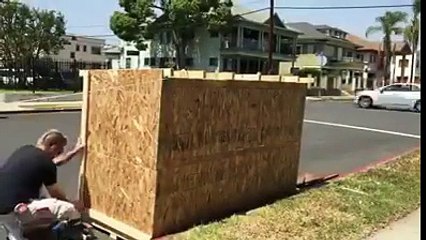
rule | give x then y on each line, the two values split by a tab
395	96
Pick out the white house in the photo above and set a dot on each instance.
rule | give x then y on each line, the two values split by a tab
82	49
243	50
401	69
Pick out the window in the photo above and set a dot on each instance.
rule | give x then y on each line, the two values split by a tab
298	49
146	62
372	58
96	50
77	48
403	63
189	62
162	62
72	55
152	62
84	48
396	88
132	53
73	38
414	88
214	34
213	62
128	62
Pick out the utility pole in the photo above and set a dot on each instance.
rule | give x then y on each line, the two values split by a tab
413	52
271	36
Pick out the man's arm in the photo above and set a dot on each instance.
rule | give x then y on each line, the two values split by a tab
56	192
66	157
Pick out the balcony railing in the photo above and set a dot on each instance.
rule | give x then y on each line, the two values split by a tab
250	44
351	59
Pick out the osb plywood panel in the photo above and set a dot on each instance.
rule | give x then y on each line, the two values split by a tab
123	121
225	146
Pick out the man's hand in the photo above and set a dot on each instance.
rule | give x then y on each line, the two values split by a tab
64	158
79	146
79	205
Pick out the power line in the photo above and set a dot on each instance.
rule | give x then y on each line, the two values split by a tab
347	7
87	26
292	8
267	8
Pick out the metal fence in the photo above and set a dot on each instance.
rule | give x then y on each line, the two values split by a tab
46	74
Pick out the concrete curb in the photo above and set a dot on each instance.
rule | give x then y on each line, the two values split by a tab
24	111
40	107
378	163
337	99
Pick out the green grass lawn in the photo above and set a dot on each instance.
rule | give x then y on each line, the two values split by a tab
347	209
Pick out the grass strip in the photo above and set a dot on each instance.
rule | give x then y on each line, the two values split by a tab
351	208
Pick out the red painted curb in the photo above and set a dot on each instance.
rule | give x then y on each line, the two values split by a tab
377	163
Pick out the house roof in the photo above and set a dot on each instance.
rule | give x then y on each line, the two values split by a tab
248	14
323	26
376	46
309	31
261	17
111	49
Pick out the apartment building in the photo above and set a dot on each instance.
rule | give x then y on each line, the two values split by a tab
373	54
340	65
402	64
243	50
82	49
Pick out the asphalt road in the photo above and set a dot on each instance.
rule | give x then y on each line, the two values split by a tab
325	149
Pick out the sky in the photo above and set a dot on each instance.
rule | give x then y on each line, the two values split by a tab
91	17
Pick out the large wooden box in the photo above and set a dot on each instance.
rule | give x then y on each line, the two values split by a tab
166	154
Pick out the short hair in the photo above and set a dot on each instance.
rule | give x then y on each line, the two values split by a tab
52	137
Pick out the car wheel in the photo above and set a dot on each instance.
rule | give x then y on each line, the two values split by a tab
417	107
365	102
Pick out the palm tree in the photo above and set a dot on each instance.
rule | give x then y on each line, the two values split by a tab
388	24
411	35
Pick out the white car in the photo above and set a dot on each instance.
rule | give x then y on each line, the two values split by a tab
394	96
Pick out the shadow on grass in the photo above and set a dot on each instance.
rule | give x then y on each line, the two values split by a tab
248	207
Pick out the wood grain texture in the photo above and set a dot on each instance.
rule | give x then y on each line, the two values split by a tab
164	155
225	146
122	145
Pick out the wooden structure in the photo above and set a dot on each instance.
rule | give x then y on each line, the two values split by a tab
166	153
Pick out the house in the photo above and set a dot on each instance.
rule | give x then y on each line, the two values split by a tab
373	53
401	64
339	64
81	49
112	54
243	50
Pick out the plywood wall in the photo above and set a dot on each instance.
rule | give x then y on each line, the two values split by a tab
122	135
164	155
225	146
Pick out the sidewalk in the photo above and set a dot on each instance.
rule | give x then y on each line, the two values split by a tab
22	107
333	98
407	228
26	106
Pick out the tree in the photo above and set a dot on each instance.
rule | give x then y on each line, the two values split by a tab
27	33
139	22
411	35
389	24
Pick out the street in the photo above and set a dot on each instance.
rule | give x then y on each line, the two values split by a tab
360	137
325	148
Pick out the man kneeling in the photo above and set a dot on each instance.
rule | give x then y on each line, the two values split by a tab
28	169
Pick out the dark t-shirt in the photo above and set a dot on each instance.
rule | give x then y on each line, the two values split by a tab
22	176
